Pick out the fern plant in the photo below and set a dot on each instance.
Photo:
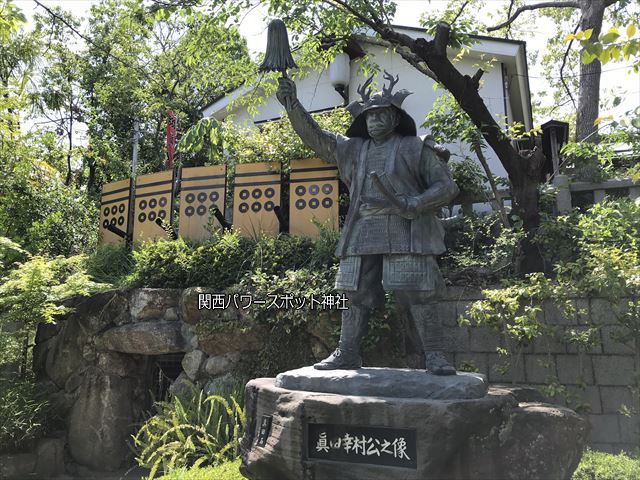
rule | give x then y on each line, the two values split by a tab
192	430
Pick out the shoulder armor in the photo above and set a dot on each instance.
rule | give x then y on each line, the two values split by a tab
442	153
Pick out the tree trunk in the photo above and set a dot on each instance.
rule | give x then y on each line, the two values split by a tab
492	183
589	86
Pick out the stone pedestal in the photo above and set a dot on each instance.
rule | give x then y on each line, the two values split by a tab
306	435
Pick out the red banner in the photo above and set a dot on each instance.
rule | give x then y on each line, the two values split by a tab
171	138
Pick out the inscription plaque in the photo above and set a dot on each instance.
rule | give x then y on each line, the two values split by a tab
393	447
265	430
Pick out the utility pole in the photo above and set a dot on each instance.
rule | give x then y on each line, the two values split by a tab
132	183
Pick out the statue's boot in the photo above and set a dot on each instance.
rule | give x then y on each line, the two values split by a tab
433	340
355	322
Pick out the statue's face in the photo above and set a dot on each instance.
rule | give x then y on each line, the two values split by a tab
381	121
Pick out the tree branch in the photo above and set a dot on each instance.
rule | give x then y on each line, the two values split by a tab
564	62
415	61
459	12
534	6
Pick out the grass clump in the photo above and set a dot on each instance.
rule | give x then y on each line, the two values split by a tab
225	471
605	466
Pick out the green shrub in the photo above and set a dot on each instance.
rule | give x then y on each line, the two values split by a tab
225	471
24	413
276	254
31	294
47	217
604	466
191	430
110	264
221	261
480	241
162	264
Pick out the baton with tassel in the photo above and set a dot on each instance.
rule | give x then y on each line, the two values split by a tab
277	57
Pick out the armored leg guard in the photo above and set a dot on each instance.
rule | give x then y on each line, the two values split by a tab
433	340
355	322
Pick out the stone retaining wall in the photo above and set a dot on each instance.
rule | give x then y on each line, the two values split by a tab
99	361
597	381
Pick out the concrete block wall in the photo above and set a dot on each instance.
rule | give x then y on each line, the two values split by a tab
597	382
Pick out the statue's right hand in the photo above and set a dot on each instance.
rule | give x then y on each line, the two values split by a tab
286	92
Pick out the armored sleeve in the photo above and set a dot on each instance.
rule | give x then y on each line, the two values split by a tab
440	187
322	142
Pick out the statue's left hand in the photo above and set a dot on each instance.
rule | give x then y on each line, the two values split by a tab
376	206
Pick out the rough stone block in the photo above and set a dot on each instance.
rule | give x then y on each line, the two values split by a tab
613	369
484	439
554	316
144	338
148	304
605	447
17	466
50	457
483	339
630	429
505	369
462	306
548	344
190	312
447	313
101	422
464	293
613	398
574	369
539	368
193	363
584	310
604	428
596	348
602	312
221	364
588	398
613	340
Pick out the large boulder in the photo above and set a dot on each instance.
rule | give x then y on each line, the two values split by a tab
154	304
144	338
101	421
293	434
193	311
101	310
64	354
193	363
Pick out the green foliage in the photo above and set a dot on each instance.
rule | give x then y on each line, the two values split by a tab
225	471
110	264
219	262
481	242
37	210
300	283
24	413
274	140
31	294
191	430
618	44
600	257
605	466
162	264
469	179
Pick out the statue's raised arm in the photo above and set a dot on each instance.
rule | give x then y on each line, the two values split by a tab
322	142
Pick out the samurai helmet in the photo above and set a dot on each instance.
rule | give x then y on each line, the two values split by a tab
384	99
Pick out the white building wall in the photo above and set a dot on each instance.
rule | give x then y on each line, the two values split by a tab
316	93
